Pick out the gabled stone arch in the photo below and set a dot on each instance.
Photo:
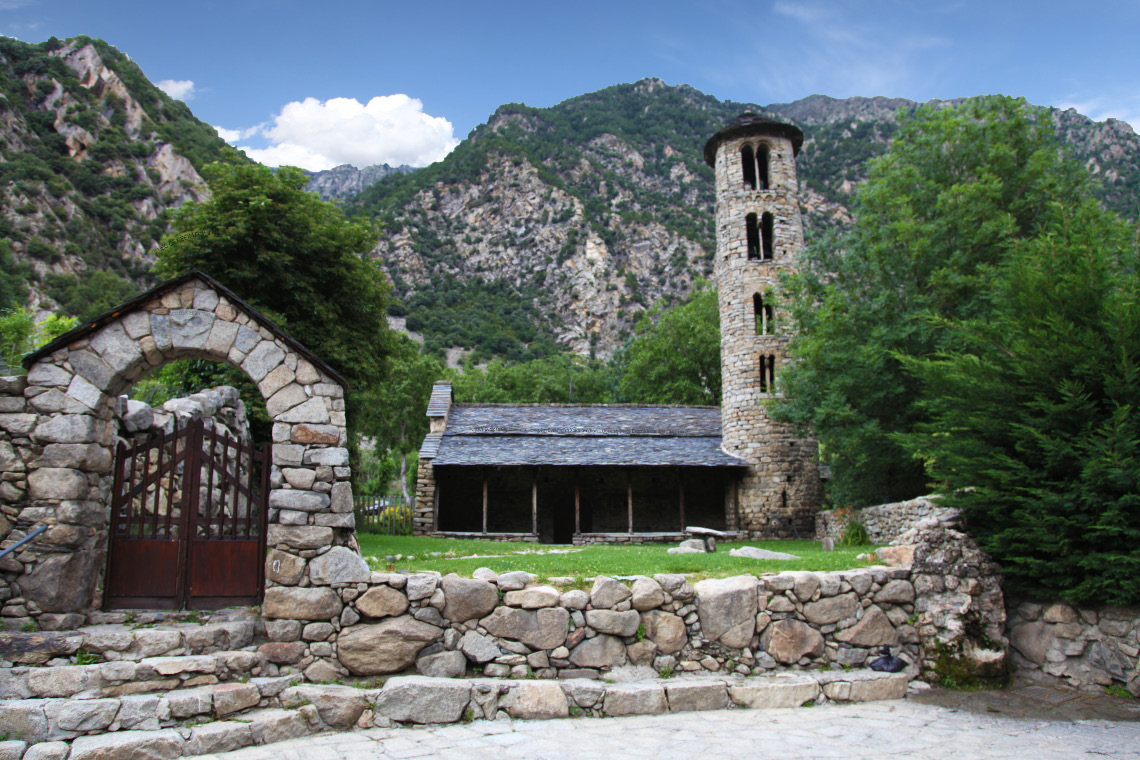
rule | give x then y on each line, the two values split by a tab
57	435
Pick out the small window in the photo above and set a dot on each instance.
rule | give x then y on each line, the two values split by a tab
767	229
762	159
748	164
753	229
767	373
764	314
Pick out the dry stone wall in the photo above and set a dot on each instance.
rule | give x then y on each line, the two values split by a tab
886	523
1086	648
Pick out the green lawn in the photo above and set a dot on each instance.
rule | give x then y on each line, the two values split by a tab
422	553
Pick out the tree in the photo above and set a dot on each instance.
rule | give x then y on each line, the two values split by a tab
958	189
396	409
292	256
674	357
1037	412
559	379
20	335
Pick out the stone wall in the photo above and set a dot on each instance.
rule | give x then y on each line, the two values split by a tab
57	432
885	523
503	625
1085	648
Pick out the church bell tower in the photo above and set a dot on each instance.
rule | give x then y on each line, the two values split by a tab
759	234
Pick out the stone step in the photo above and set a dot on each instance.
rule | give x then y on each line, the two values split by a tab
117	678
274	709
129	641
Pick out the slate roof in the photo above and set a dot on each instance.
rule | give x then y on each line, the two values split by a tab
566	435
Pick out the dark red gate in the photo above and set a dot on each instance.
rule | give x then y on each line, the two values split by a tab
188	522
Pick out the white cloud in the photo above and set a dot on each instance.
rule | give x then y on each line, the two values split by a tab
316	135
11	5
179	89
234	135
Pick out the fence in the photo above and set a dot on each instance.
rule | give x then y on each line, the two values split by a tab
389	515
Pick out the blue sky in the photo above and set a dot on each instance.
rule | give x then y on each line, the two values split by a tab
322	83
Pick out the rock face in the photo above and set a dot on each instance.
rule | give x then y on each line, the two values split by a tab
727	609
385	647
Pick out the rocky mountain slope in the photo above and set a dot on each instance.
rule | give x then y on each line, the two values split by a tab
346	180
94	157
584	214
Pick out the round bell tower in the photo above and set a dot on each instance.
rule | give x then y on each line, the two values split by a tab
759	234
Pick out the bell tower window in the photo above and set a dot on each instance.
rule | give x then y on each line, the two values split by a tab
748	164
767	373
766	233
753	228
762	159
764	314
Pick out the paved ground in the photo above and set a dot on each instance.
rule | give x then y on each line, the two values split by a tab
875	730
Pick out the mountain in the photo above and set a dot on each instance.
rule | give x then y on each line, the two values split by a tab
556	227
346	180
94	158
547	229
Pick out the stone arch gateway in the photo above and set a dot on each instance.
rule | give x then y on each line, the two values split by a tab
57	436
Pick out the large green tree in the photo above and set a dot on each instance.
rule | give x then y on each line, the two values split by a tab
1037	413
674	357
958	189
559	379
292	256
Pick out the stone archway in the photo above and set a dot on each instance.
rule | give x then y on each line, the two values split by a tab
57	435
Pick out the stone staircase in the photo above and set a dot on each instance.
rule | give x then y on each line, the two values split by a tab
161	685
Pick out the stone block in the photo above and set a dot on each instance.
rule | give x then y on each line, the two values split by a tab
283	652
539	700
173	666
63	428
613	622
602	651
831	609
117	348
418	699
296	603
514	580
727	608
635	699
291	404
48	375
478	648
324	435
330	457
190	328
342	497
128	745
300	536
647	594
388	646
533	598
218	737
235	697
466	599
82	715
874	629
47	751
338	706
339	565
443	665
895	592
696	695
265	356
24	718
57	483
284	568
303	501
421	586
774	692
538	629
665	629
607	593
382	601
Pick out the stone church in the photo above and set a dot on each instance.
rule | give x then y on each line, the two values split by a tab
622	473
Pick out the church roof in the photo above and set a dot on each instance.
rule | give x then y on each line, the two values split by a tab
580	435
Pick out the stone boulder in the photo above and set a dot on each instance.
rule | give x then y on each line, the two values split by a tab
385	647
382	601
612	622
296	603
467	598
602	651
831	609
752	552
418	699
539	700
727	609
664	629
538	629
789	640
442	665
338	565
874	629
606	593
647	594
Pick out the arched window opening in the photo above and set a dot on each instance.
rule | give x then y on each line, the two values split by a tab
767	229
767	373
748	163
764	314
753	237
762	159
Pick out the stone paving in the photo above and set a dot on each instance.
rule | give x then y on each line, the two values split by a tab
891	729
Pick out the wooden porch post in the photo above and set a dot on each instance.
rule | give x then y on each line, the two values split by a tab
534	502
484	502
629	497
681	489
577	505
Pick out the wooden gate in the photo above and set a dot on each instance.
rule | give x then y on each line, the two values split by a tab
188	522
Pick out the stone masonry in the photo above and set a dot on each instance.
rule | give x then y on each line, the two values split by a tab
780	492
58	427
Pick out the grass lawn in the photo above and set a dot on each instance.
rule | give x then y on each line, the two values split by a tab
455	556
